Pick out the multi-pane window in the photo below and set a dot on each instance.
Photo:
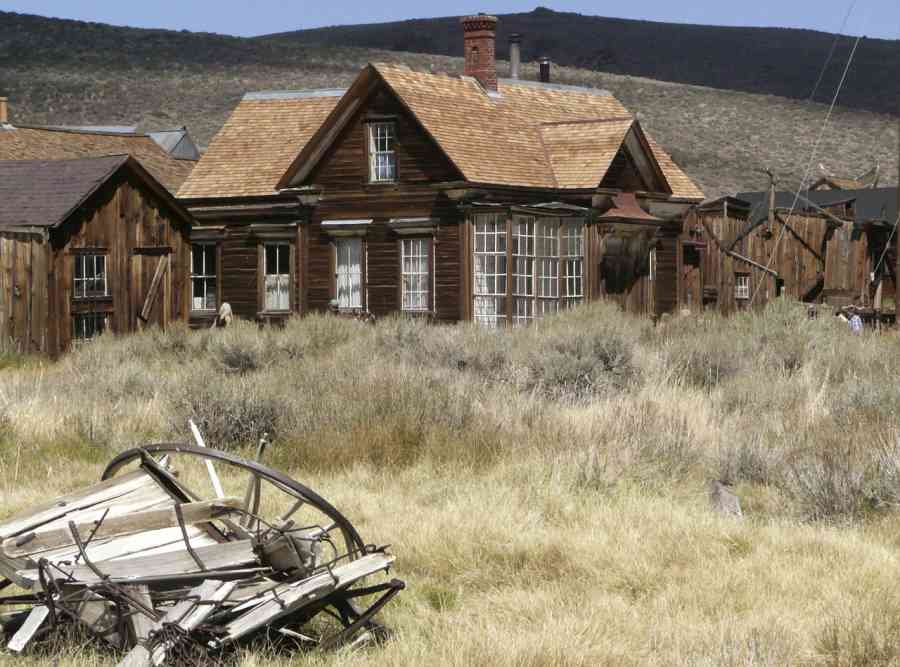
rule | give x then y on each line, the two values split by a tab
87	325
572	258
535	250
741	286
277	285
416	274
523	269
546	276
547	267
489	284
90	277
382	156
203	276
348	275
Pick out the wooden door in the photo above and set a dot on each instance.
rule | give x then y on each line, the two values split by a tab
151	302
691	296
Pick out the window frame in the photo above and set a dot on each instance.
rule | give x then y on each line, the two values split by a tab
102	316
495	257
214	276
336	244
373	152
741	291
428	273
263	273
84	255
539	263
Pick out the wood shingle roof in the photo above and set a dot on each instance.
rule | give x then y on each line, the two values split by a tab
44	193
48	143
258	143
527	135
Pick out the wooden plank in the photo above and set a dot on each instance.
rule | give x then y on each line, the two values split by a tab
141	624
104	491
288	598
149	568
26	633
132	546
188	614
137	500
161	267
95	613
125	524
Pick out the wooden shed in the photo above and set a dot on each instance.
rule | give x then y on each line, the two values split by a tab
828	247
87	246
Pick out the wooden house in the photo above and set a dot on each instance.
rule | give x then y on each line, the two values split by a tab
86	246
830	246
450	197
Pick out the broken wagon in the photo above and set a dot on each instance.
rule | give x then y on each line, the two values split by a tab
184	553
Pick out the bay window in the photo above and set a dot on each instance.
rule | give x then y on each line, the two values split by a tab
489	285
546	270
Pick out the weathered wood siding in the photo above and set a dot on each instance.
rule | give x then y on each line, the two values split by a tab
816	260
127	224
343	173
23	292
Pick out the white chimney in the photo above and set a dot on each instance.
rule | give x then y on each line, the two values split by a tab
515	55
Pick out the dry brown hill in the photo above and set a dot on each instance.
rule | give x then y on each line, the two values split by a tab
69	72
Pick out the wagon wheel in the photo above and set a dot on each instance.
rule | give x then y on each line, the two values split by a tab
273	506
271	501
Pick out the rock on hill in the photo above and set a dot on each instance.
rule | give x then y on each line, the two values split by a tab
70	72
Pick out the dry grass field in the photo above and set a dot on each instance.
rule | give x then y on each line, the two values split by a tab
545	489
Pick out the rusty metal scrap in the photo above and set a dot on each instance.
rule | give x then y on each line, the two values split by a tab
165	574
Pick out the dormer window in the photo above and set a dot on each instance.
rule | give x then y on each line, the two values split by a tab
382	156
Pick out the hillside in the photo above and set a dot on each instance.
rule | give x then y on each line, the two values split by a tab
773	61
69	72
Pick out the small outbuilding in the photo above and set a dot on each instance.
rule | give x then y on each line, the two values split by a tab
86	246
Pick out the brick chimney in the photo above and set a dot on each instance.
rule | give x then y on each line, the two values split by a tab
480	33
4	111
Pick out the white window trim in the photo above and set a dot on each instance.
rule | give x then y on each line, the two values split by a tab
281	282
205	276
742	286
543	272
384	172
424	254
490	315
347	274
81	294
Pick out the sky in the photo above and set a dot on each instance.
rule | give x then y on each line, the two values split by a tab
873	18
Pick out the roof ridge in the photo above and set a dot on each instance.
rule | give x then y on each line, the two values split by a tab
560	87
588	121
119	156
261	95
72	130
